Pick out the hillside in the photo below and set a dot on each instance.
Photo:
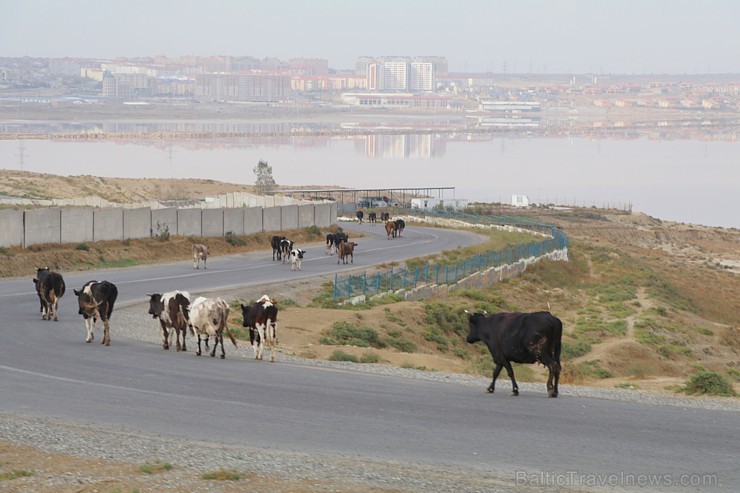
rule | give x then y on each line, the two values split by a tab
644	302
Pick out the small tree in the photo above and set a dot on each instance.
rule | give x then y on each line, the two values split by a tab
265	183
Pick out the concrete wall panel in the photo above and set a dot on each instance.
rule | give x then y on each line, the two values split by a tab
77	224
334	213
252	220
289	217
213	222
164	220
137	223
43	226
11	228
189	222
233	221
107	224
271	219
306	216
322	215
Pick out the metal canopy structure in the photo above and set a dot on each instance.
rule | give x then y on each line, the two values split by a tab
353	195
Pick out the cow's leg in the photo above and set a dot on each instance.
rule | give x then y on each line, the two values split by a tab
553	379
221	340
177	338
510	371
184	332
271	335
165	335
496	372
56	309
106	333
89	326
198	352
261	343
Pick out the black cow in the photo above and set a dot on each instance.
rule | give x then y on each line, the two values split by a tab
50	288
275	242
400	225
372	217
96	300
360	215
262	317
520	338
385	216
333	240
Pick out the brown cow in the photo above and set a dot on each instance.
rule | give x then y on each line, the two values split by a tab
346	248
390	229
200	252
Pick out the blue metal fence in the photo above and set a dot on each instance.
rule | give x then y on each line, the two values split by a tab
350	285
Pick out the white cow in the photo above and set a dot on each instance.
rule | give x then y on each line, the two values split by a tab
208	318
200	252
296	259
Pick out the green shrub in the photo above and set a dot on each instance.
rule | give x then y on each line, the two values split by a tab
344	333
15	474
573	350
708	382
370	358
313	232
83	246
396	340
234	239
432	334
340	355
222	475
156	467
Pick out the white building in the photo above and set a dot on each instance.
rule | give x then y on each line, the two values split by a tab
520	201
430	203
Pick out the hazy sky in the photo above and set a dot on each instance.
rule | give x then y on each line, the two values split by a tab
553	36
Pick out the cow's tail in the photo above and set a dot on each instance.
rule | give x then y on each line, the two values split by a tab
557	335
231	336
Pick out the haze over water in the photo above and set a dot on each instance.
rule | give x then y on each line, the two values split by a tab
679	180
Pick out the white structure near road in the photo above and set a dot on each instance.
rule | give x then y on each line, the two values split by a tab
431	203
520	201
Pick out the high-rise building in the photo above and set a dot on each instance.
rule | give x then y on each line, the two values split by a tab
394	74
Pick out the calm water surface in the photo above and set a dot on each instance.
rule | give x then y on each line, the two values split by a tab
680	180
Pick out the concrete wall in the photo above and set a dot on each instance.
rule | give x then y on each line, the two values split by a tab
334	213
305	216
233	221
322	215
289	217
164	220
11	228
77	225
271	219
107	224
212	222
189	222
137	223
42	226
83	224
253	220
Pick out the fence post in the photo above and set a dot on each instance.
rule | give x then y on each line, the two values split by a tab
377	282
390	280
447	274
336	277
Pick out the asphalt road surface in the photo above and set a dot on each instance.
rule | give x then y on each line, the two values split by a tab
47	369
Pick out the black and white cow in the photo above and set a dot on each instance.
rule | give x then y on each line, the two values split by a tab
285	248
208	317
96	300
173	311
50	288
296	259
276	247
519	338
261	316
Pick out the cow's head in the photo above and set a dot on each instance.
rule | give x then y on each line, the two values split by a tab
156	304
86	300
297	253
474	322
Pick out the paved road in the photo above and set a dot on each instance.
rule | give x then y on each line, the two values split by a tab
47	369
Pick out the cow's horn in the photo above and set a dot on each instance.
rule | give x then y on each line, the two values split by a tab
467	312
485	312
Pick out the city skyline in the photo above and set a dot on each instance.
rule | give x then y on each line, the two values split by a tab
535	36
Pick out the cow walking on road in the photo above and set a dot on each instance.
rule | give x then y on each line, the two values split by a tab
346	249
200	252
96	300
50	288
172	309
519	338
261	319
208	318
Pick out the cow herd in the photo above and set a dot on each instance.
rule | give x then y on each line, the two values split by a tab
177	312
523	338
